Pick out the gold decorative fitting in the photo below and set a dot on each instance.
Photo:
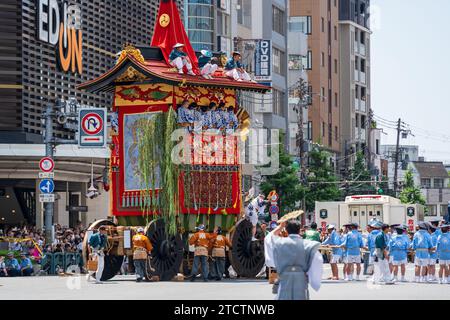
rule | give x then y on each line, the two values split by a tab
131	75
164	20
131	50
182	84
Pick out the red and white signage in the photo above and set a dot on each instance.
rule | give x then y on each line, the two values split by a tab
46	164
92	123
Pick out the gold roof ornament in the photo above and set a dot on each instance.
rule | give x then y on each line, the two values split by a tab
291	215
129	49
131	74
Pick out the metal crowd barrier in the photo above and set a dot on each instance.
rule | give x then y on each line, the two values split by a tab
54	263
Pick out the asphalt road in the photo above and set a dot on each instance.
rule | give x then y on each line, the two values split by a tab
124	287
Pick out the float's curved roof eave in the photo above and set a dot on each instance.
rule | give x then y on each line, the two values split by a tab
158	71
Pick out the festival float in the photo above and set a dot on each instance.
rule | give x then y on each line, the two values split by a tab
148	188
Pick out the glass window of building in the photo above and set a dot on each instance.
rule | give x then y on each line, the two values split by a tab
278	61
200	17
431	210
307	61
278	102
438	183
301	24
278	20
425	183
295	62
244	12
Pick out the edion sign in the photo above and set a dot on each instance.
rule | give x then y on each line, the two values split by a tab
60	26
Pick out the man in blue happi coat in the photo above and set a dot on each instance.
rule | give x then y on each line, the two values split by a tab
422	244
334	241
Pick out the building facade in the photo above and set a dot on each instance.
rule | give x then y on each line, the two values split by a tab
48	48
322	64
355	86
433	179
407	154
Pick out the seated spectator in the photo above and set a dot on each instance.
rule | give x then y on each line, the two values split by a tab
12	266
3	272
26	267
234	69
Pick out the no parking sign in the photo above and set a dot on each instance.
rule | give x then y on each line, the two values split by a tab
92	130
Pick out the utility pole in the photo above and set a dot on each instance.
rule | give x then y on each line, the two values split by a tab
397	153
48	140
369	141
52	112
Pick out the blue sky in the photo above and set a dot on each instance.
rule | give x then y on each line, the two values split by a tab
411	71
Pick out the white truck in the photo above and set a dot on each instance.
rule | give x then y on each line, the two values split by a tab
362	209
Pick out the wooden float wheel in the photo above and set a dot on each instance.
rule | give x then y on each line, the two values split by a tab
167	253
113	263
247	256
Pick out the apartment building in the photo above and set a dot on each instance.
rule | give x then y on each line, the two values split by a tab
322	65
355	102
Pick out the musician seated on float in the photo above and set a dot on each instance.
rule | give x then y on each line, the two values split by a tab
198	117
233	122
185	116
205	63
234	68
178	58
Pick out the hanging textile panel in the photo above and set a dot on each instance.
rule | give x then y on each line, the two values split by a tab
210	190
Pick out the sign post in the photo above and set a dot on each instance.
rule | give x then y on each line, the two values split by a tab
92	127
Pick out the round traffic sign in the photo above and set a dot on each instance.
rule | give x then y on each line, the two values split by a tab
274	197
46	164
274	209
92	123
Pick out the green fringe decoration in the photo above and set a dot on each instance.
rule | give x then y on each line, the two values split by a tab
155	148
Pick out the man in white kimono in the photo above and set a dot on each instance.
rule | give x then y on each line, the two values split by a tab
297	261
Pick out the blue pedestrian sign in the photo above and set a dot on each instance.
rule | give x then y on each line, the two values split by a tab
47	186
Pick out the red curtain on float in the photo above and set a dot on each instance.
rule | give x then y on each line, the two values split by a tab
169	30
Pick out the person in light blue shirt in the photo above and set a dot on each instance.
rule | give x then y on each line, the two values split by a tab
353	243
443	250
435	233
342	234
12	266
334	241
233	122
185	116
374	228
26	267
398	250
422	245
198	117
222	116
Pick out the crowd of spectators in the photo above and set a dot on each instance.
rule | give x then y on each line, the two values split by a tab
25	246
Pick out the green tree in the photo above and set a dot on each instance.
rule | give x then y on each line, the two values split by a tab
286	182
410	193
321	178
360	173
